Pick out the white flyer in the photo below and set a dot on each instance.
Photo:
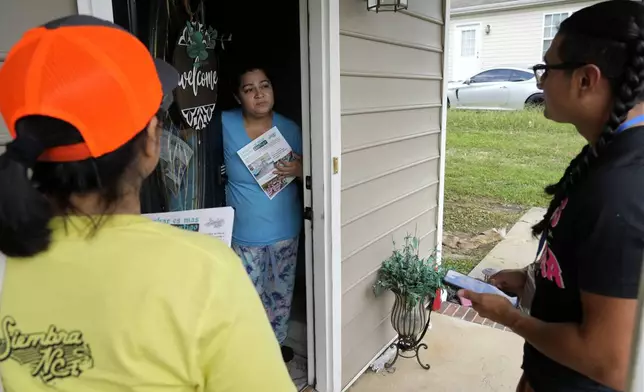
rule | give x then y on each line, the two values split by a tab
216	222
263	155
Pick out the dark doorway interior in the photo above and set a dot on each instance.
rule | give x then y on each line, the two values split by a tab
264	30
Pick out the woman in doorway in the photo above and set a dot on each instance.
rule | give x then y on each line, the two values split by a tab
95	296
579	334
266	231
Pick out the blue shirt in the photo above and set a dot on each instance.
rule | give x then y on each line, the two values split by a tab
259	221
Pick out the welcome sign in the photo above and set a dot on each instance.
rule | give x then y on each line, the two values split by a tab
195	59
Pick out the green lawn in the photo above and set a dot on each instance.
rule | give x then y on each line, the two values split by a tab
497	164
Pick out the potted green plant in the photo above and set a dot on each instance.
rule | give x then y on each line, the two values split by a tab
414	280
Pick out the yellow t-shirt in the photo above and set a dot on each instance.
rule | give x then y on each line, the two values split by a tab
140	306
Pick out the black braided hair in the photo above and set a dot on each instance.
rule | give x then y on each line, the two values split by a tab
558	196
609	35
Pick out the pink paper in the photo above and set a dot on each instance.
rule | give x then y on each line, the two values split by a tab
465	302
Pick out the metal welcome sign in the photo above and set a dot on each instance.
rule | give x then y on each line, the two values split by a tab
191	173
195	59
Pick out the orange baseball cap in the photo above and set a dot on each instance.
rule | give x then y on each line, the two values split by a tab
90	73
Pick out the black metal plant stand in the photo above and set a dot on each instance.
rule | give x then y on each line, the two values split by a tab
411	323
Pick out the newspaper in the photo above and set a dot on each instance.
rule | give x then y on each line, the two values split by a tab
216	222
263	155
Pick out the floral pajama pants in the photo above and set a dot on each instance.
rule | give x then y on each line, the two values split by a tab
272	270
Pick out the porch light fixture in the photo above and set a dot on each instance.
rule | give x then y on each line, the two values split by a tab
387	5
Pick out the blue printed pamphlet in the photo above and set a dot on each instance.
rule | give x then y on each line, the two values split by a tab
475	285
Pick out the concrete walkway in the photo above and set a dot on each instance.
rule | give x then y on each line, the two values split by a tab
517	249
465	356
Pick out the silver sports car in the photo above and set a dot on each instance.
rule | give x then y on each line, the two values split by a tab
496	89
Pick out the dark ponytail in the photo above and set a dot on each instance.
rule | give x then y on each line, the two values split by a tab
27	204
24	211
610	36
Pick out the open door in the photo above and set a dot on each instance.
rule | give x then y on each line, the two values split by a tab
325	126
308	199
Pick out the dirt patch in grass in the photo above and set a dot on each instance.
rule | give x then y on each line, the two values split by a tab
475	230
497	164
475	216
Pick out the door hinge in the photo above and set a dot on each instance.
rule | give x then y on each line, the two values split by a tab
308	213
307	182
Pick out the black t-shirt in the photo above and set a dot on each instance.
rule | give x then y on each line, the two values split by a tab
595	244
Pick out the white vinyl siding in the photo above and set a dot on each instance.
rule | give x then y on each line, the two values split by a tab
516	37
391	86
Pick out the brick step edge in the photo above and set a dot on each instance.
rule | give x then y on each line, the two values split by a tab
468	314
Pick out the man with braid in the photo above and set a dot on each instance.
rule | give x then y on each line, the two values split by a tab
579	331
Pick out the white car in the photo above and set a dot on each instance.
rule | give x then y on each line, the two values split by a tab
504	88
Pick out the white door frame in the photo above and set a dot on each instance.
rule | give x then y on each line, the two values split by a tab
324	65
320	58
443	145
99	8
321	142
308	200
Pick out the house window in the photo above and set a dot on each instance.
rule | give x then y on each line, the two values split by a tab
550	27
468	43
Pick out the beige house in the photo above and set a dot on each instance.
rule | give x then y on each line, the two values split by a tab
503	33
374	127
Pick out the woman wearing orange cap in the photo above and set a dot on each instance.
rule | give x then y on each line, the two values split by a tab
94	296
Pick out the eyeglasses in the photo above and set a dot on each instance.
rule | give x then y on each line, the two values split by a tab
541	70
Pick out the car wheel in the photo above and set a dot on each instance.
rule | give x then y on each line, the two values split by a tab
448	104
535	101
